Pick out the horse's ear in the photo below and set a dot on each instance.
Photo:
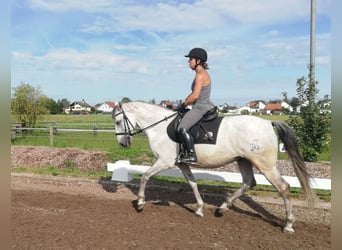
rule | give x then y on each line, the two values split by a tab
120	105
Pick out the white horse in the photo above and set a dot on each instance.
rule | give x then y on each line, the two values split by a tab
249	140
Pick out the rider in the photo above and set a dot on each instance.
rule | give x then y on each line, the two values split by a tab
200	100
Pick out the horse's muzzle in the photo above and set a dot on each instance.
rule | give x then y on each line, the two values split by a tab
126	141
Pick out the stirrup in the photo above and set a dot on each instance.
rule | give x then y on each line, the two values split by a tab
188	159
180	157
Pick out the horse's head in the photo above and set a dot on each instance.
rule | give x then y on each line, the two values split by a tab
124	125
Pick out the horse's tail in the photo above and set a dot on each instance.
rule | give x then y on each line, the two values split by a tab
288	137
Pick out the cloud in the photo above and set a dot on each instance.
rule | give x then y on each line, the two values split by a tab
66	5
100	25
178	16
71	59
157	18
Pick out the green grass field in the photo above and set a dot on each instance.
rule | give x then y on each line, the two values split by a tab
104	141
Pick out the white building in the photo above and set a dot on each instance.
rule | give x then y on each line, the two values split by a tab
105	108
78	107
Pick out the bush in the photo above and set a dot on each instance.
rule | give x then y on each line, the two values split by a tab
312	127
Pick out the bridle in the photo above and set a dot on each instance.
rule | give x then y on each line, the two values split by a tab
128	124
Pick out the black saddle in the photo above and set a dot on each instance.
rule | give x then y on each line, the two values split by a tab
203	132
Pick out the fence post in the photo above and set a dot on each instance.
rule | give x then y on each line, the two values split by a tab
51	135
94	129
54	128
17	130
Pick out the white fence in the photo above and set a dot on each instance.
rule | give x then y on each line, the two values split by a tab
17	131
123	171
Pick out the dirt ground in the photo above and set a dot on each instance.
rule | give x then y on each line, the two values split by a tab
52	212
75	213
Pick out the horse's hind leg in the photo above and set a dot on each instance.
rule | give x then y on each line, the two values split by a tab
248	181
192	182
284	190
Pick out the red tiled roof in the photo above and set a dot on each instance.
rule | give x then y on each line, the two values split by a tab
111	104
273	106
252	104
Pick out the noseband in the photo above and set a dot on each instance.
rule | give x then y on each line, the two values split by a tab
128	124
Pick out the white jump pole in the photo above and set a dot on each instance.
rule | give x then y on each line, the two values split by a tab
123	171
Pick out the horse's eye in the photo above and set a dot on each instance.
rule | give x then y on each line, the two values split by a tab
117	123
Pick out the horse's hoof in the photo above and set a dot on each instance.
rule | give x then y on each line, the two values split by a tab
140	205
221	211
218	212
199	212
223	208
288	230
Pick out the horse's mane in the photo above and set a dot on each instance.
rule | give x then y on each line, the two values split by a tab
150	106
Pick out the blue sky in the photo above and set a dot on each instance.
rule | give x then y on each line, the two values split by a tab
104	50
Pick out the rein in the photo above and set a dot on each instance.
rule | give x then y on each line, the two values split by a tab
134	131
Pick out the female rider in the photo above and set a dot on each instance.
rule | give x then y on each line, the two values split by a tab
200	100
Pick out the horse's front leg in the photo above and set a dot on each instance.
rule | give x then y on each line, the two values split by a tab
153	170
192	182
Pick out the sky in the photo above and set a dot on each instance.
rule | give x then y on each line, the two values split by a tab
104	50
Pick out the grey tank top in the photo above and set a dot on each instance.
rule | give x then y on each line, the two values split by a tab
203	102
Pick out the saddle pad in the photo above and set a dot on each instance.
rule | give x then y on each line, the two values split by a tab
199	131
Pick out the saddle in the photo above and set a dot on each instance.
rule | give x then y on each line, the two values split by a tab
203	132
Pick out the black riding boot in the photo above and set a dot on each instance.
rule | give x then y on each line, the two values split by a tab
188	143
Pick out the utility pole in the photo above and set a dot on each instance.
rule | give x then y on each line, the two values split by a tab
312	53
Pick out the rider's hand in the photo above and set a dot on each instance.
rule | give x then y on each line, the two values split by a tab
181	107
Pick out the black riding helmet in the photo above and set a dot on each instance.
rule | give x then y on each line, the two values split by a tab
198	53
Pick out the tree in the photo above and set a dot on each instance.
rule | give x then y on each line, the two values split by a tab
28	103
285	99
54	107
311	127
295	103
125	99
62	105
275	101
51	106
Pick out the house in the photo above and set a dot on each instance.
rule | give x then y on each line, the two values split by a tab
256	106
287	106
226	109
276	108
325	106
261	107
272	108
105	108
243	109
78	107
